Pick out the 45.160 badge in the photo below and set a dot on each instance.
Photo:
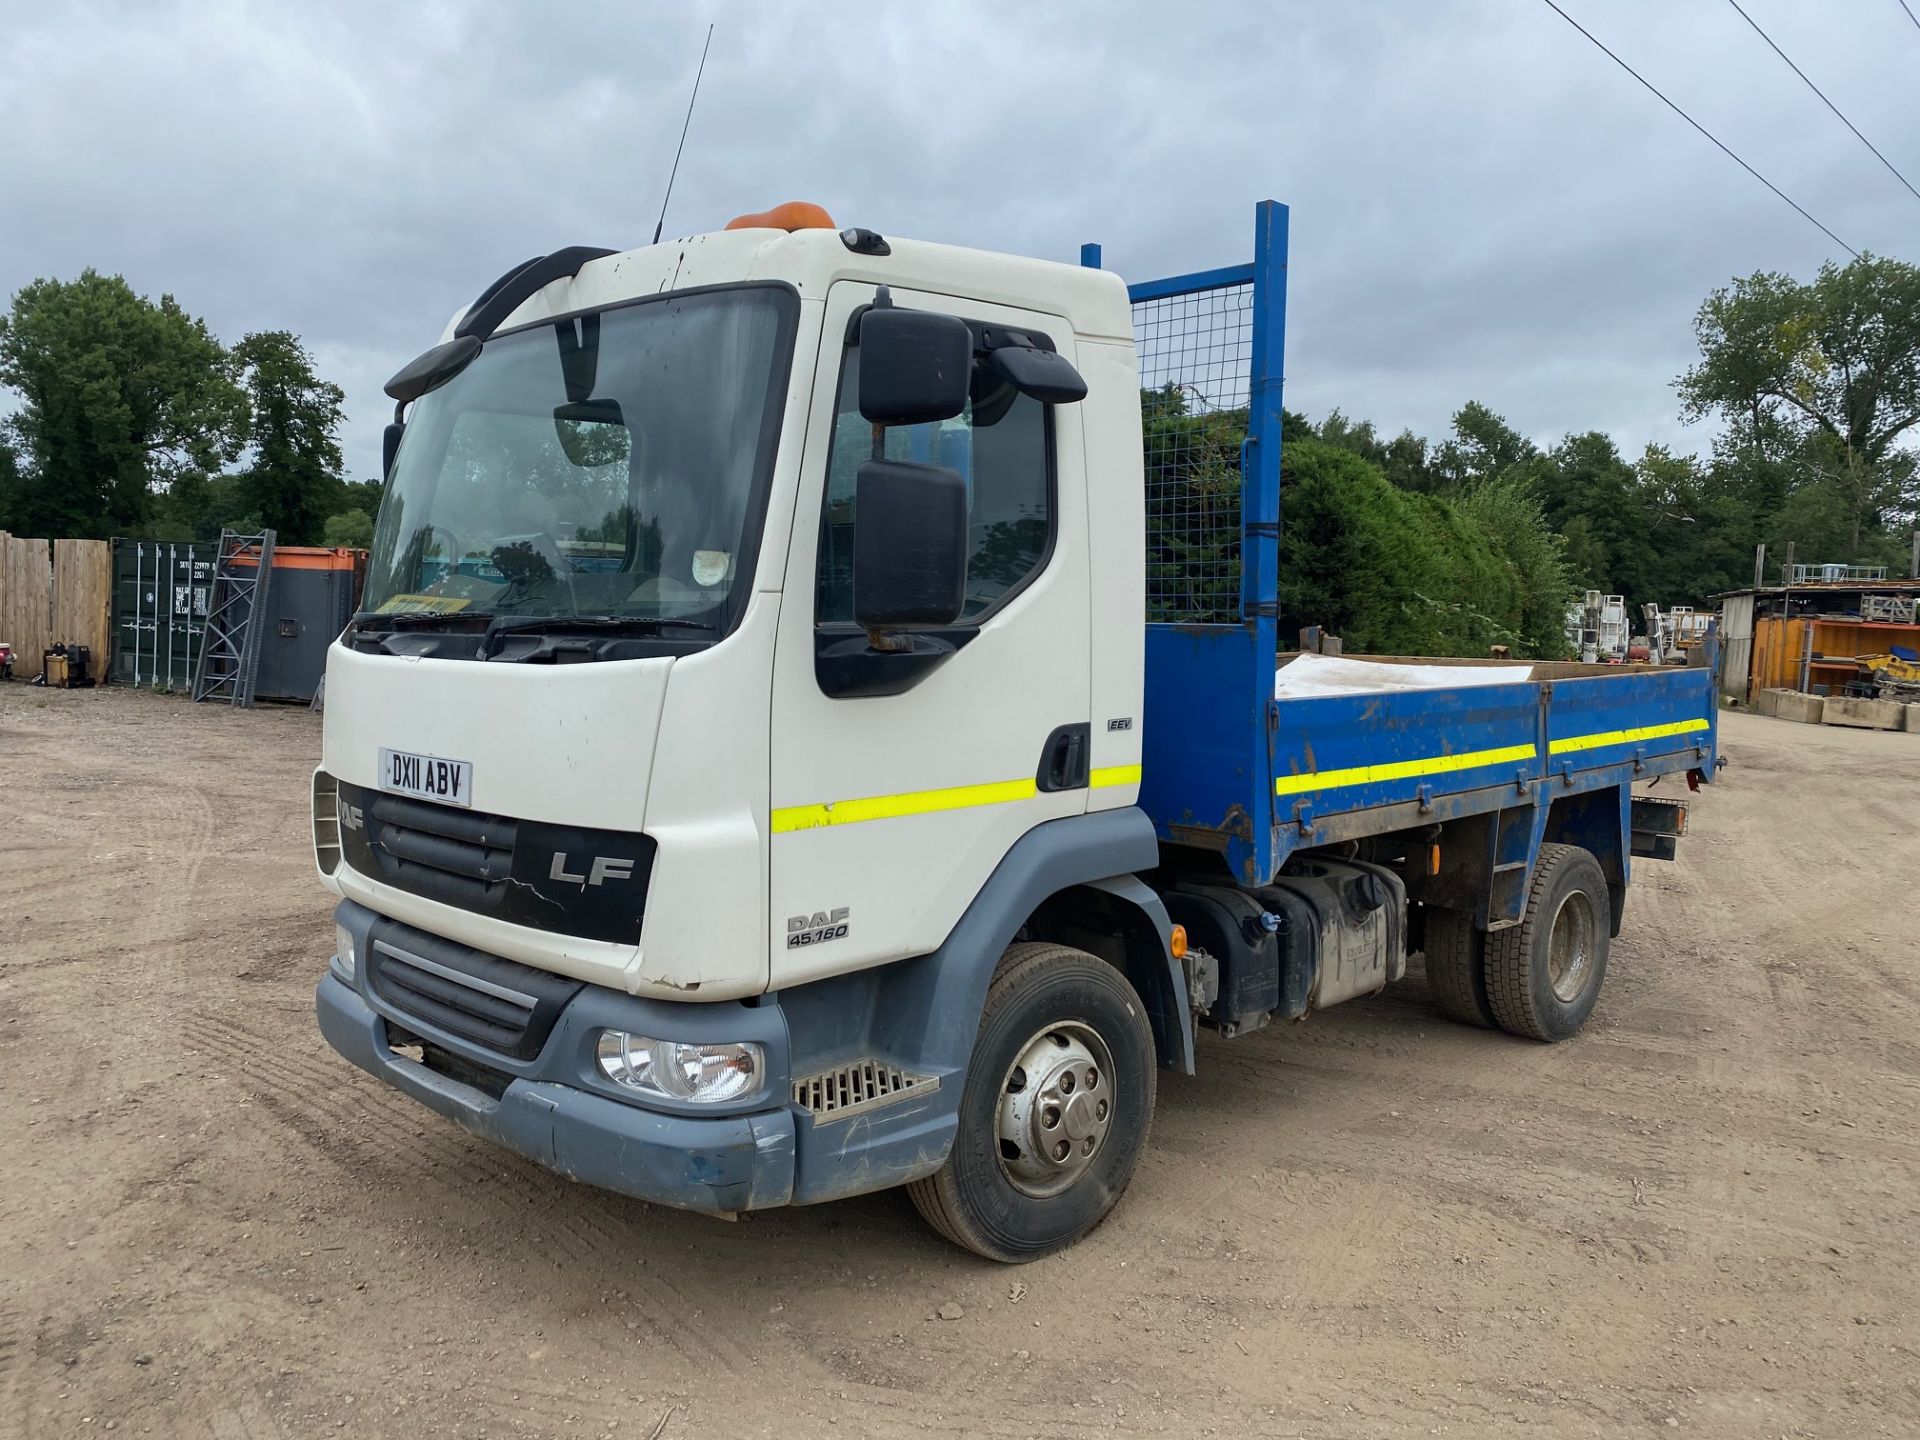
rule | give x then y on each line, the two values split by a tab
817	928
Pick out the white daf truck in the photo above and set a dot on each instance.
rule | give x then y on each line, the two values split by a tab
801	735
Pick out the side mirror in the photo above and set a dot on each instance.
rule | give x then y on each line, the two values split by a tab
909	545
915	366
1046	375
390	447
431	368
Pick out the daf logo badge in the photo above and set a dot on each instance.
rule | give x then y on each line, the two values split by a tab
817	928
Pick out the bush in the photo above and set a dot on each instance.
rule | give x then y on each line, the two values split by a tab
1388	570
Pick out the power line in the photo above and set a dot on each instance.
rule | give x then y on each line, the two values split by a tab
1910	15
1823	98
1703	130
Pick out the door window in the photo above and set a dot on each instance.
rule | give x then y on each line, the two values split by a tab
1002	446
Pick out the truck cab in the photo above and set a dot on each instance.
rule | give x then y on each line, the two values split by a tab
732	778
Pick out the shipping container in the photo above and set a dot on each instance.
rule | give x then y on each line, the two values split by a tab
161	591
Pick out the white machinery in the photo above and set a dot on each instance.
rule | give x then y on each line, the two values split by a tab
1598	628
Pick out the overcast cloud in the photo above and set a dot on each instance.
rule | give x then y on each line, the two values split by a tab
1483	206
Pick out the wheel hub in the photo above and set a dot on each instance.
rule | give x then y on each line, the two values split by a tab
1570	947
1056	1109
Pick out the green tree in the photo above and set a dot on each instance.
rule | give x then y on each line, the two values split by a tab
1823	374
1507	513
364	496
1483	445
9	478
118	395
1585	554
293	477
1403	460
352	528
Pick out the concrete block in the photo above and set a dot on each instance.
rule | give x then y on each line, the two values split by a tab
1910	721
1863	714
1792	705
1766	702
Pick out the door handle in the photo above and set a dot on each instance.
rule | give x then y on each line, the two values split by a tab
1064	760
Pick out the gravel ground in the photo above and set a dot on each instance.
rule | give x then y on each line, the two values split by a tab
1698	1217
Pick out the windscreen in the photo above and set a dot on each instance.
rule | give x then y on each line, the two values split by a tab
607	465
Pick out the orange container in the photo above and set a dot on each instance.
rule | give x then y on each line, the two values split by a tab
1779	644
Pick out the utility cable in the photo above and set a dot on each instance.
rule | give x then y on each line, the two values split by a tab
1702	129
1823	98
1910	15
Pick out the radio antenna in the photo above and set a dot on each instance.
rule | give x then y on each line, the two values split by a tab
683	136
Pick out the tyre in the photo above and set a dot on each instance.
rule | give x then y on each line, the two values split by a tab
1544	974
1058	1101
1456	973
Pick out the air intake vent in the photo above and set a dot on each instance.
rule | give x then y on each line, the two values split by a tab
857	1086
499	1004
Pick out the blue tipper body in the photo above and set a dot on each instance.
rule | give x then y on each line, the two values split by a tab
1227	767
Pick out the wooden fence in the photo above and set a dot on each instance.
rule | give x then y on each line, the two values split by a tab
83	599
55	594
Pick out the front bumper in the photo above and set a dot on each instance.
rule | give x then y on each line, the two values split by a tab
719	1164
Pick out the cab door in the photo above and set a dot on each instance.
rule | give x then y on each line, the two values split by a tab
890	810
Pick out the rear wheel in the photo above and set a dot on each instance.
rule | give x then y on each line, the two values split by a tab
1058	1101
1456	973
1544	974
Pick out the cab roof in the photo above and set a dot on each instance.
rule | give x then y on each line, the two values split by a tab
1094	302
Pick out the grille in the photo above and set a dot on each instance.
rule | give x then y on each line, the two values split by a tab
860	1085
498	1004
446	853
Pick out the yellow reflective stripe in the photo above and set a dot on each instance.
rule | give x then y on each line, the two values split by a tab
891	807
1474	759
1399	770
1624	737
927	802
1001	792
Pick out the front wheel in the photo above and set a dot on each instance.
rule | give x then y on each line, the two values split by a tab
1055	1113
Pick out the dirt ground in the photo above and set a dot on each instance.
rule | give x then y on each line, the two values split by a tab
1702	1216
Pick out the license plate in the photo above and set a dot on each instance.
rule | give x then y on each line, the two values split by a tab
427	777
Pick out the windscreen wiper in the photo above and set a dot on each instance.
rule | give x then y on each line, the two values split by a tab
503	625
417	619
372	630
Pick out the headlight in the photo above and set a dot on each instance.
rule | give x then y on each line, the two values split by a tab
343	946
702	1074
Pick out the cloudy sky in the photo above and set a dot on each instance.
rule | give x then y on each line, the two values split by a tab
1483	205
